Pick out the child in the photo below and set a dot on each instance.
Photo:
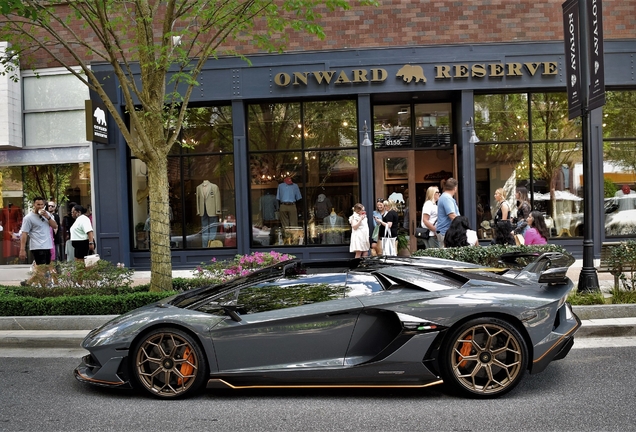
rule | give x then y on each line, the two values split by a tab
359	231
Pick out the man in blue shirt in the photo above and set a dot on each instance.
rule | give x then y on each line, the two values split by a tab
288	193
447	209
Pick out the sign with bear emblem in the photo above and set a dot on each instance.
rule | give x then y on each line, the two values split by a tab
96	121
411	73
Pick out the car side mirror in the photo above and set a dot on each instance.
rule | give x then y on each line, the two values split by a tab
232	312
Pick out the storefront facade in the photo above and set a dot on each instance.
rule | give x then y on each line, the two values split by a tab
273	155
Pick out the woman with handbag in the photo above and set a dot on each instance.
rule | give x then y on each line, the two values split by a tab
429	218
82	237
388	227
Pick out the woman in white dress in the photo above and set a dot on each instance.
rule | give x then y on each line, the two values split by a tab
359	231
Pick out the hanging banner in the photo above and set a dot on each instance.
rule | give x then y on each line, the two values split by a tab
572	57
595	42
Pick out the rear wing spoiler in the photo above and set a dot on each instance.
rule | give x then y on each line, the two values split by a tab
549	267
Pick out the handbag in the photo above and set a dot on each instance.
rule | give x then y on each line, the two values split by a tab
91	260
422	233
389	245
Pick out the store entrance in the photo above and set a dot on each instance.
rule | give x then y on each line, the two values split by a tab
403	176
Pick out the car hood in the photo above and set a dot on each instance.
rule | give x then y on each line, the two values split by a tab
121	330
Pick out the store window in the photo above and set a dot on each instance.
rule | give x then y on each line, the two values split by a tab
202	203
619	166
528	145
303	172
58	184
412	125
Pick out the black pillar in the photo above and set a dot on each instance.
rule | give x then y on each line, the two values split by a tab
588	278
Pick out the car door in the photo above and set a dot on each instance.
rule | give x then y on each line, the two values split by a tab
296	322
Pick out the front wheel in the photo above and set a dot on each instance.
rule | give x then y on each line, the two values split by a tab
484	358
169	363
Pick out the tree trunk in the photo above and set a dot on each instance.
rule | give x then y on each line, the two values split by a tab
160	256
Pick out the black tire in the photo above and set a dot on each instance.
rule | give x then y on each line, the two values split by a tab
168	363
484	358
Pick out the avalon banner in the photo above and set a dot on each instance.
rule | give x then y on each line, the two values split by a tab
595	42
573	57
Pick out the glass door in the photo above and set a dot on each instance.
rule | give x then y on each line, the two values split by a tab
404	176
394	180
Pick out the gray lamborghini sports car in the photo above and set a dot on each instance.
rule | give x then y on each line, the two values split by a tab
387	321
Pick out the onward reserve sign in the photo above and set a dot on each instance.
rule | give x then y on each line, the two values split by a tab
416	74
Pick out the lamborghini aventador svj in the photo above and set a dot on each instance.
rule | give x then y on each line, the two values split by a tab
376	322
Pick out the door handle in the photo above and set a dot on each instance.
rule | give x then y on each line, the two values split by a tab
338	313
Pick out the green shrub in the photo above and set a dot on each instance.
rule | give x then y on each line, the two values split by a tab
67	277
490	256
623	297
93	304
609	188
586	299
103	274
621	257
185	284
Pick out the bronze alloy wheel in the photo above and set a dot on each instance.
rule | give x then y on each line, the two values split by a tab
169	363
485	357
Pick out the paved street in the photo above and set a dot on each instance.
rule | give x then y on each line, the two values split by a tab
590	390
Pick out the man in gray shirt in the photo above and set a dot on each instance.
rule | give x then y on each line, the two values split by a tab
37	226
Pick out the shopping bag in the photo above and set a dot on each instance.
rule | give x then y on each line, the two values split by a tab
519	240
376	232
91	260
389	245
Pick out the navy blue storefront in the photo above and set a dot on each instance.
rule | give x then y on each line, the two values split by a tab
420	105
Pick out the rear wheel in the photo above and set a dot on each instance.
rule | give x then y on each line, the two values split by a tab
484	358
169	363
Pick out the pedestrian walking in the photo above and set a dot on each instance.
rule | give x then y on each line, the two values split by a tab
82	233
36	226
447	209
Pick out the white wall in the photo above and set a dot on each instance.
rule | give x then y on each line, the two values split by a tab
10	107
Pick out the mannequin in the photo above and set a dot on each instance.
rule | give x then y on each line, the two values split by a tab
626	198
321	208
288	193
268	206
269	209
334	228
208	199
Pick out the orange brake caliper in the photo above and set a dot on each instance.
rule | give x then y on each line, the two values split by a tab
464	351
186	368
